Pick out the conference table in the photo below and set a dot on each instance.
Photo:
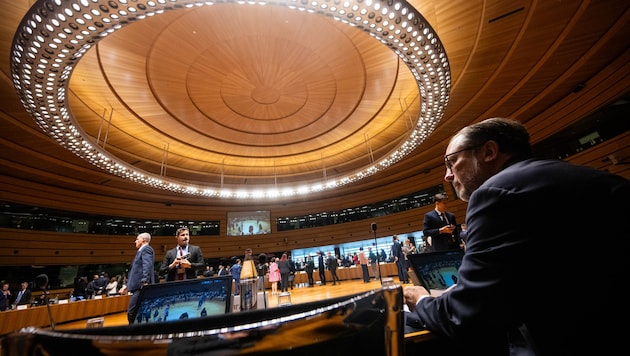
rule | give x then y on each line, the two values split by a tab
62	312
67	311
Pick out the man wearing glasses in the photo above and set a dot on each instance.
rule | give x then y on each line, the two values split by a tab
524	285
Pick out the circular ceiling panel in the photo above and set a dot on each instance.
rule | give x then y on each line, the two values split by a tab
234	100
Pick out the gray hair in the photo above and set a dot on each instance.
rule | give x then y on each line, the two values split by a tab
145	236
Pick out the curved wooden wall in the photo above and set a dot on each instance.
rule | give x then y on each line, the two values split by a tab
27	247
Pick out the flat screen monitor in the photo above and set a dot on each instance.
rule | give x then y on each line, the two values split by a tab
188	299
436	270
244	223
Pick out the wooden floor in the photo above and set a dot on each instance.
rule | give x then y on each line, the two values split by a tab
299	294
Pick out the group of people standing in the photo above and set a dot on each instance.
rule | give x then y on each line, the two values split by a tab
281	274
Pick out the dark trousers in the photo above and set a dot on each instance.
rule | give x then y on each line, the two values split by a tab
133	305
335	278
284	277
322	275
366	273
401	265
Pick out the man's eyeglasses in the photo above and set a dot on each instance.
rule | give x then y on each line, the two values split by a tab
448	163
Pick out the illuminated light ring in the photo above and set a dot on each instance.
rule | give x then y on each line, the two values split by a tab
55	34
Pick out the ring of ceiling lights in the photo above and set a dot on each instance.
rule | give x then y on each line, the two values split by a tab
55	34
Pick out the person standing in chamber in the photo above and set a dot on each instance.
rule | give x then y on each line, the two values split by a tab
508	299
363	261
408	248
373	257
321	267
285	271
262	269
440	226
399	259
236	275
333	264
309	267
183	261
140	274
274	275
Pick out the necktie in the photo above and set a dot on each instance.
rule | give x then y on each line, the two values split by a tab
17	300
181	275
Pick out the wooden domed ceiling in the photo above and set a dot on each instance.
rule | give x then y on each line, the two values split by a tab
248	96
244	95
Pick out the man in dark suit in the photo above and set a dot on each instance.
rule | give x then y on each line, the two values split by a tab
440	226
183	261
140	274
309	267
23	296
399	259
332	264
321	267
531	225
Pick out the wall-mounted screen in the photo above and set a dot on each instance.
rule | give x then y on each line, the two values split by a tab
241	223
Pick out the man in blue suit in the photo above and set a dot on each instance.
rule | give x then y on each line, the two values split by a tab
140	274
530	252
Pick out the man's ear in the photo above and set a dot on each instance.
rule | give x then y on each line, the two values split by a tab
489	151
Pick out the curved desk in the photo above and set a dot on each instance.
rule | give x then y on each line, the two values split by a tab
15	320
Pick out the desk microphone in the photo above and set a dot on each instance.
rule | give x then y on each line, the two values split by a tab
41	282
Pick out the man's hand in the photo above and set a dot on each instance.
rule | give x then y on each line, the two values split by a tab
184	263
412	294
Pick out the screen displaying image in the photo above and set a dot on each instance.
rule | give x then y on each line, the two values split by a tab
195	298
248	223
437	270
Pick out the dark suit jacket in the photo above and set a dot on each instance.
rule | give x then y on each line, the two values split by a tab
321	264
142	269
310	266
397	251
431	227
25	299
531	234
196	260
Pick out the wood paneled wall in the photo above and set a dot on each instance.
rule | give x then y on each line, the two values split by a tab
27	247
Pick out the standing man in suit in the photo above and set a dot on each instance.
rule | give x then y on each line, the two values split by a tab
321	267
140	274
399	259
309	267
440	226
333	263
508	299
183	261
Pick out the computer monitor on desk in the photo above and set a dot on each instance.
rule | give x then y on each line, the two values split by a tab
188	299
436	271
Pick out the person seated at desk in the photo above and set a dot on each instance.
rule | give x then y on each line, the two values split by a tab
523	289
23	296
